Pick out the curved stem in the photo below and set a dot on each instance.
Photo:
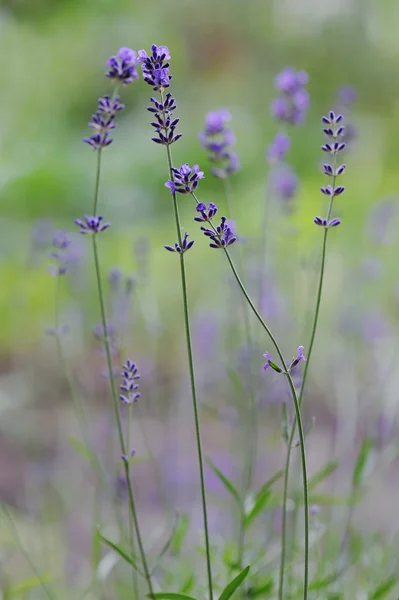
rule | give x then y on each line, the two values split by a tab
124	453
192	382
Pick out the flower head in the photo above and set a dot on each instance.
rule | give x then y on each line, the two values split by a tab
284	181
268	358
185	245
103	121
91	224
218	139
122	67
129	385
185	180
278	148
298	357
292	105
155	67
61	242
222	236
205	214
164	124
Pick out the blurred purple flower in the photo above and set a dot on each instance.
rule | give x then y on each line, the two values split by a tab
61	243
292	105
122	67
347	95
218	139
284	181
298	358
278	149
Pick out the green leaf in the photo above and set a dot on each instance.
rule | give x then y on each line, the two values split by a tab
27	584
275	367
259	504
384	588
179	535
226	482
188	584
361	463
120	550
319	584
170	596
267	588
234	584
323	474
271	481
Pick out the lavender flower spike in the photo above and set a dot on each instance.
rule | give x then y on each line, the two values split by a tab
103	121
218	139
186	179
61	241
122	67
278	149
129	385
91	224
185	245
155	67
291	106
222	236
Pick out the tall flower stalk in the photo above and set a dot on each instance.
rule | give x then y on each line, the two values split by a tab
155	68
221	236
333	131
122	70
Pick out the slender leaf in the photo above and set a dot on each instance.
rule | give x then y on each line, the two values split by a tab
188	584
284	422
384	588
261	501
319	584
120	551
226	482
267	588
80	449
322	474
234	585
361	463
171	596
270	482
27	584
180	533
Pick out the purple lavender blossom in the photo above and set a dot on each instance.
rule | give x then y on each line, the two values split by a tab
115	276
292	105
347	95
164	124
122	67
284	182
206	214
91	224
269	363
61	241
129	385
334	131
186	179
155	67
298	358
218	139
103	121
185	245
222	236
278	149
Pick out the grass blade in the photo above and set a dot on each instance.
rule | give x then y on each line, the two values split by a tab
322	474
234	585
226	482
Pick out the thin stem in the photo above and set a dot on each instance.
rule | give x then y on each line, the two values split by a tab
125	458
192	381
131	524
304	379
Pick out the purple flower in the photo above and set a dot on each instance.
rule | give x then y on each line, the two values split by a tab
298	358
122	67
155	67
205	214
185	180
347	95
218	139
185	245
292	105
164	124
61	241
103	121
222	236
268	359
91	224
278	148
284	181
129	385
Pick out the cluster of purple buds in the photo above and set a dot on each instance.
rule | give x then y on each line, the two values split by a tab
61	241
122	67
185	245
205	214
292	105
155	67
221	236
283	179
218	139
279	148
129	385
185	179
164	124
334	130
103	121
91	224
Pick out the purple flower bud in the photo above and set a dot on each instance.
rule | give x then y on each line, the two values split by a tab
155	67
91	224
206	214
217	139
222	236
186	179
185	245
278	148
122	67
298	358
320	221
334	222
129	385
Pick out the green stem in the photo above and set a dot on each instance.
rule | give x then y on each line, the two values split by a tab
131	524
125	454
192	381
298	420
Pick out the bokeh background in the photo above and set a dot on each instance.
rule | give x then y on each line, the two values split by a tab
224	54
